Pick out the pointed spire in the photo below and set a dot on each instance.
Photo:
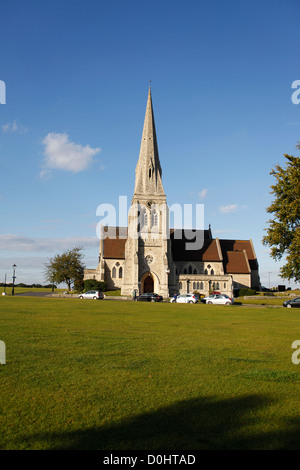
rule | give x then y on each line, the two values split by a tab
148	170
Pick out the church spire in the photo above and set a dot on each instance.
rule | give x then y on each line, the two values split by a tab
148	172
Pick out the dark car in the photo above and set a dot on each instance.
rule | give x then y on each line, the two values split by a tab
293	303
150	297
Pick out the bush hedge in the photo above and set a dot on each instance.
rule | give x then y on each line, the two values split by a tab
246	291
92	284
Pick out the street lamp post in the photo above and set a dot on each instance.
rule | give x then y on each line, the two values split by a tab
13	278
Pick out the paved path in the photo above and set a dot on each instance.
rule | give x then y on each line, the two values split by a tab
33	294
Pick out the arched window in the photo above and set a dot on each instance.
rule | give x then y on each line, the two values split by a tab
194	285
154	218
120	272
190	269
113	273
150	172
224	285
195	271
184	271
212	272
144	218
217	285
201	286
205	271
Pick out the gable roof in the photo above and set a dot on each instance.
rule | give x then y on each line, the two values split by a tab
240	245
208	252
114	242
236	262
238	256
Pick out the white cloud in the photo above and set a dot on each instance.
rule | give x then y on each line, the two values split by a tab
14	127
222	232
202	195
62	154
19	243
46	174
228	209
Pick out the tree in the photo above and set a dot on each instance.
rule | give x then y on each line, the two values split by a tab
66	267
283	234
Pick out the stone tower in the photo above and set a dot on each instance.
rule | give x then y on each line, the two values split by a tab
148	263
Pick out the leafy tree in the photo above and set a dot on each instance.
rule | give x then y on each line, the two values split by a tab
67	267
283	234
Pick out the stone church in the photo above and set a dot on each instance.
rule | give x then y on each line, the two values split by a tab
150	257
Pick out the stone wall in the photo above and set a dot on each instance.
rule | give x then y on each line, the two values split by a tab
223	284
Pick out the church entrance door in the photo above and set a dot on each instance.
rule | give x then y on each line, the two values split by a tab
148	284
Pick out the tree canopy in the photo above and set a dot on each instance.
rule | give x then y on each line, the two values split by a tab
283	233
67	267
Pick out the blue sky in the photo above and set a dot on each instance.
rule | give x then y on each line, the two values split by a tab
77	76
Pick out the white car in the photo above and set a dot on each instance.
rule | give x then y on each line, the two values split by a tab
185	299
91	294
218	299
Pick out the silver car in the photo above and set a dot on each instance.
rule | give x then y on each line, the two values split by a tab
91	294
218	299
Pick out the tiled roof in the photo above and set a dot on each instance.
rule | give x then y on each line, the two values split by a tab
235	262
240	245
237	255
114	243
208	252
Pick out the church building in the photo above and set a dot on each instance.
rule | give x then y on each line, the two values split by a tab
150	257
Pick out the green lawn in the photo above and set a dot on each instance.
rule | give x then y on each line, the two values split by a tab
118	375
23	290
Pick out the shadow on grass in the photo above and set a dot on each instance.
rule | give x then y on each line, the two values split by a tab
194	424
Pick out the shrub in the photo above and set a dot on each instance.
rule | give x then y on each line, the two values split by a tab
246	291
90	284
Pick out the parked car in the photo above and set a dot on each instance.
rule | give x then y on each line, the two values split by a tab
185	299
292	303
91	294
221	299
150	297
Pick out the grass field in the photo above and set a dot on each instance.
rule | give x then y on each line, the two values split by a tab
124	375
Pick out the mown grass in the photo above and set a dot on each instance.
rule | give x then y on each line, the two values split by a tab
261	301
124	375
23	290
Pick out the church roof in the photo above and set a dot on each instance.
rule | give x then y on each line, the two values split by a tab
208	252
114	242
236	262
241	245
238	256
